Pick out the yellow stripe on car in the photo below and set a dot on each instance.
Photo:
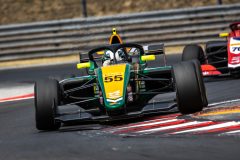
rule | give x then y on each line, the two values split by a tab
113	80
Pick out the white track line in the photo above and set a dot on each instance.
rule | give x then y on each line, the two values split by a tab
155	120
149	131
216	126
224	102
232	132
147	121
145	124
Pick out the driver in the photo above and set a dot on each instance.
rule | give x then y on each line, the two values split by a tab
109	56
235	30
236	27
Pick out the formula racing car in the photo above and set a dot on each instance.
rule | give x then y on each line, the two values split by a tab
221	57
120	84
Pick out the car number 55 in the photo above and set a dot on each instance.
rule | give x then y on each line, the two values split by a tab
108	79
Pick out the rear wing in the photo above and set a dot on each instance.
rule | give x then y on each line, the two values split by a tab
155	49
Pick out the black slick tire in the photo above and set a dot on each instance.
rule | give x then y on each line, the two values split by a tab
193	52
46	100
190	89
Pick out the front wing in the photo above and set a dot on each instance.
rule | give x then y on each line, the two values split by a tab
73	114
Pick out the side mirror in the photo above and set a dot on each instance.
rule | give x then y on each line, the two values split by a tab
83	65
223	35
148	58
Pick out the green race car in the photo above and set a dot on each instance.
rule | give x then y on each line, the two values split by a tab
121	81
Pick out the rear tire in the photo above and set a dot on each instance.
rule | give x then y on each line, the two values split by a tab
46	100
193	51
190	89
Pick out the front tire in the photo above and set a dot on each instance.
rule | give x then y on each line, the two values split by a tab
46	100
193	52
190	89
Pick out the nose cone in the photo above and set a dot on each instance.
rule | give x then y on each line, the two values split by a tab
113	81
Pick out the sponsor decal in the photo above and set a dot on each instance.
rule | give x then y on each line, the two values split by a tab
114	101
114	95
235	60
209	70
205	73
235	44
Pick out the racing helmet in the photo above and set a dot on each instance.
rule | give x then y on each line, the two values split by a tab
235	26
120	55
108	55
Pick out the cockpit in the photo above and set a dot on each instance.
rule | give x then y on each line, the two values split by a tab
115	54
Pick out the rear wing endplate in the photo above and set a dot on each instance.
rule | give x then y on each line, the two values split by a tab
155	49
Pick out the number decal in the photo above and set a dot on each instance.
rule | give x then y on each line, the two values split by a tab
108	79
118	78
235	49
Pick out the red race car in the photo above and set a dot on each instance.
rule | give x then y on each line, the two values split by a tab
221	57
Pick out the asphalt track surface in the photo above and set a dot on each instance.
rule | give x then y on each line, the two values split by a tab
20	140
